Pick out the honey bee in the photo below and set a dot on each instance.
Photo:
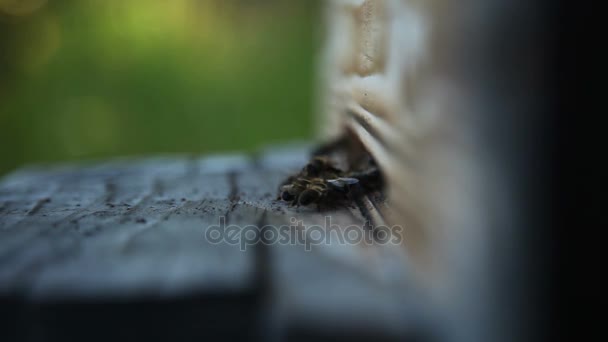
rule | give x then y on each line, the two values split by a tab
318	167
290	190
321	182
305	191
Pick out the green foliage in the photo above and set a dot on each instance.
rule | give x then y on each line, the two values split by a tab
95	79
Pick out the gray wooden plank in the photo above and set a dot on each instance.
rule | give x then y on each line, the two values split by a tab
135	228
120	228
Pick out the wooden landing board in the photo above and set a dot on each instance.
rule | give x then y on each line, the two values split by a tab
99	243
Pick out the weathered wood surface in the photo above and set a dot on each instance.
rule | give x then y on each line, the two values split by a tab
96	245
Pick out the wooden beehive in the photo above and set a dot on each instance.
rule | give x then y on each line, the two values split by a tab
444	95
387	77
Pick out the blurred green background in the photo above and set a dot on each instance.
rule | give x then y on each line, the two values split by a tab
82	79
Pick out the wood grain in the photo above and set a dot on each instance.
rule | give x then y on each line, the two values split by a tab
125	235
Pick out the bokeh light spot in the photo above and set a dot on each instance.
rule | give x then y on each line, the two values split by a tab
20	7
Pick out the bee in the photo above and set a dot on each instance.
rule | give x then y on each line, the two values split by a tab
304	191
320	181
290	190
318	167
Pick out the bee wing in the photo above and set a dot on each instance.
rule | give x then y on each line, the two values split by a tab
342	182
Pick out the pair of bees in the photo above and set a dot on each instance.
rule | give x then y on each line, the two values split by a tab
318	182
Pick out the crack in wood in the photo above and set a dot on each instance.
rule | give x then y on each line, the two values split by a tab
262	253
39	204
192	167
4	206
35	234
128	244
107	196
233	196
110	188
157	190
199	206
263	280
